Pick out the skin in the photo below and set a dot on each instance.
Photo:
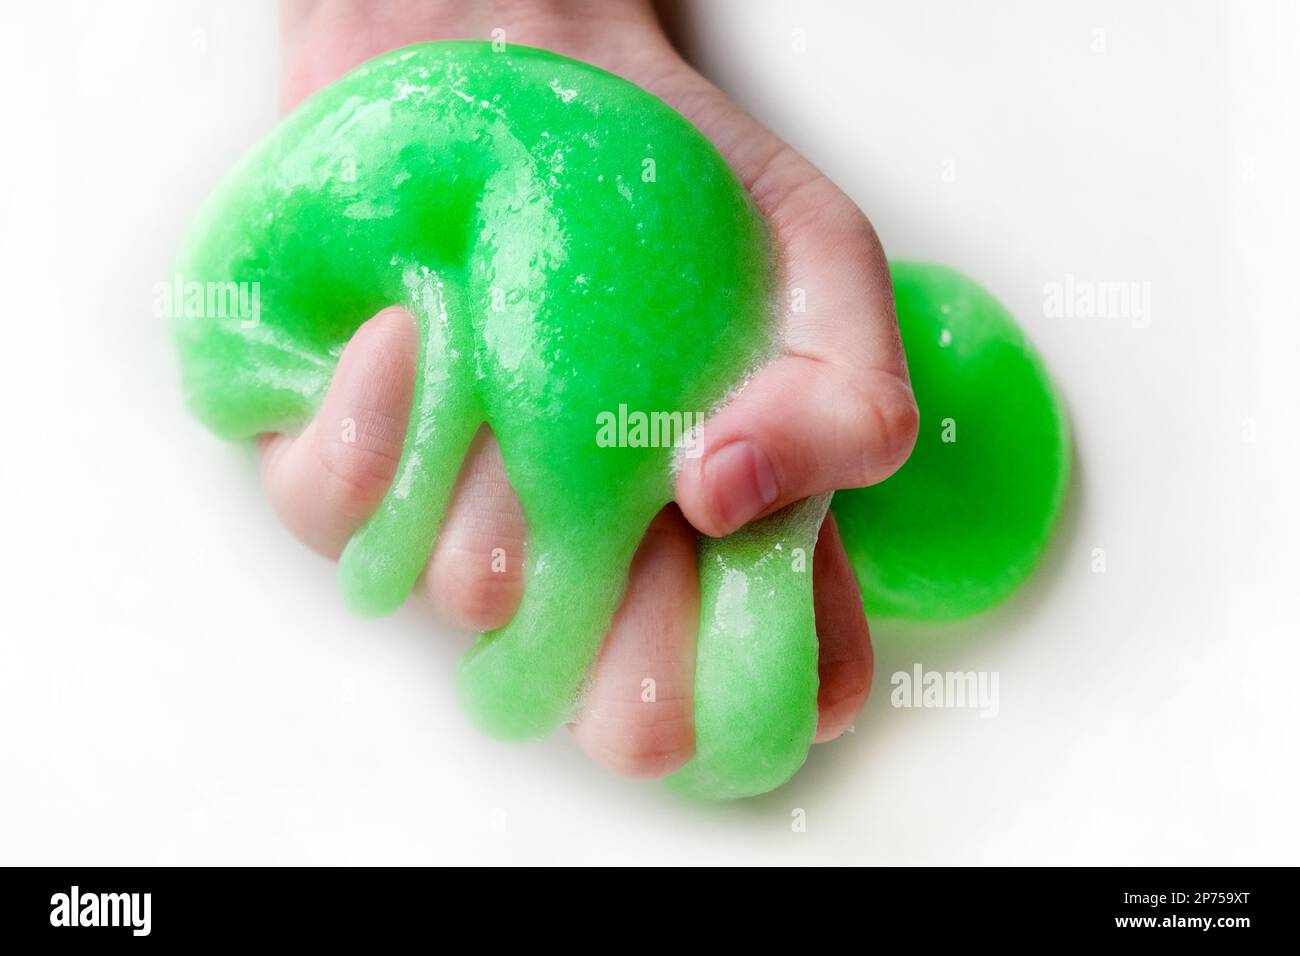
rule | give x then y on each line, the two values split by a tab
833	410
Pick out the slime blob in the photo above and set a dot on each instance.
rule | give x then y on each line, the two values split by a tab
569	246
964	521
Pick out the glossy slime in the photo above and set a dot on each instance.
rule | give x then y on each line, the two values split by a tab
570	245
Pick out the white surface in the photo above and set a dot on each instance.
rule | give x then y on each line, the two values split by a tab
179	682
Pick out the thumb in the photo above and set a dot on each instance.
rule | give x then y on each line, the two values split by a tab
799	428
835	408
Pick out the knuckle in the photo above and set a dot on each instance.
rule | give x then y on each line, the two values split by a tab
878	421
899	422
357	475
464	583
846	687
649	742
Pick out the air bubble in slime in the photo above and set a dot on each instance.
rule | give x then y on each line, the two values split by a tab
569	244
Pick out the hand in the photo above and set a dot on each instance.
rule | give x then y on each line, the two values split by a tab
834	410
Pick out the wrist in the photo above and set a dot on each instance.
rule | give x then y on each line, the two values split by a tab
323	39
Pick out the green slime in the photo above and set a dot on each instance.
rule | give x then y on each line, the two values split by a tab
568	244
965	520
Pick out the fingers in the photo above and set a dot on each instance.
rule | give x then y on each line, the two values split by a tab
475	575
327	481
844	656
637	718
638	714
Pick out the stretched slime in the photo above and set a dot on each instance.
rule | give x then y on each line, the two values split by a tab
570	245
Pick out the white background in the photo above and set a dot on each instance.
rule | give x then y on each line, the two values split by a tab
179	682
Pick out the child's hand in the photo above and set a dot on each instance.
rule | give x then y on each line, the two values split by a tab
835	410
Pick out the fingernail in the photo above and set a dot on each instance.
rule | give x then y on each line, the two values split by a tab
744	482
